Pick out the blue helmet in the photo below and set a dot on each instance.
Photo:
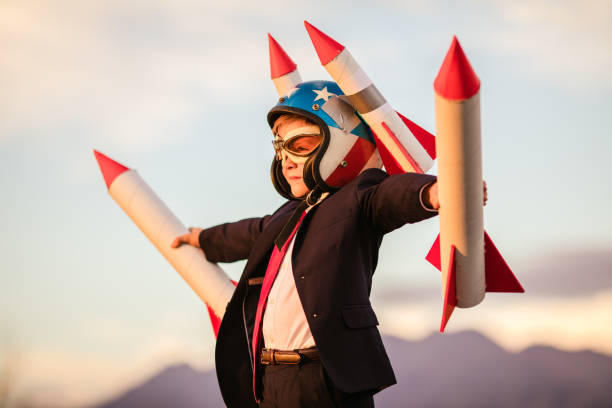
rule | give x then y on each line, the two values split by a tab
347	147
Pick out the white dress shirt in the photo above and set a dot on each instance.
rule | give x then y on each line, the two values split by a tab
284	323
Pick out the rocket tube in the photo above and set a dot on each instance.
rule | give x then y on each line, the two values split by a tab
370	103
283	70
161	226
458	147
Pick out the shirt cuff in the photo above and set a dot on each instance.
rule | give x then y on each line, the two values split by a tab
426	208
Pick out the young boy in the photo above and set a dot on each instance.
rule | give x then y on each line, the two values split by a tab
299	330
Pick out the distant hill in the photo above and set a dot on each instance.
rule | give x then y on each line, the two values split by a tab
463	369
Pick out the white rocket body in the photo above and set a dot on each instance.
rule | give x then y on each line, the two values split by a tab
283	71
161	226
458	147
378	113
286	82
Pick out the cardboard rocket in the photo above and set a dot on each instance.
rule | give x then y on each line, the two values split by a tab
470	263
403	145
161	226
283	70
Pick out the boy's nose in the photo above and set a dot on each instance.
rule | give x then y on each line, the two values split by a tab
287	162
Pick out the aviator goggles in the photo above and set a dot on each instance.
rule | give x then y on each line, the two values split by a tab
298	143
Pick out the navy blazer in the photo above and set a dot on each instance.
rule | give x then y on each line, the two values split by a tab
334	257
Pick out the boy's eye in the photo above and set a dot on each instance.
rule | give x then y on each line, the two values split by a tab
304	144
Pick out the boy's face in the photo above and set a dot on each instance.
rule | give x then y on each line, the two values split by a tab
292	166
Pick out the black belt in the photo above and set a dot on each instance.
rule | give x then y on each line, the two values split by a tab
271	356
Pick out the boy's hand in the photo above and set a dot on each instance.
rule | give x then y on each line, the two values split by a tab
191	238
431	195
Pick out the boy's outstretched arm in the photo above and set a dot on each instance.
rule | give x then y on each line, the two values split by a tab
228	242
388	202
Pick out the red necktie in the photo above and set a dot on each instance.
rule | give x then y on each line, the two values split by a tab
273	266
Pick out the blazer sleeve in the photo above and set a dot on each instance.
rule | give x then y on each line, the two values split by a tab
231	241
388	202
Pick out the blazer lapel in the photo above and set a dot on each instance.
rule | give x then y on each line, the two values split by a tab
263	246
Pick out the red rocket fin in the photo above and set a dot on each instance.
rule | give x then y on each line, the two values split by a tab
327	48
450	291
110	169
280	63
391	165
413	163
214	319
456	79
433	256
426	139
498	276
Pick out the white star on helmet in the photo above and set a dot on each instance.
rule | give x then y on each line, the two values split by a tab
323	94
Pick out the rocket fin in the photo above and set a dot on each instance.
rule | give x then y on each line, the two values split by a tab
414	165
433	256
110	169
326	47
450	291
498	276
280	63
214	319
391	165
426	139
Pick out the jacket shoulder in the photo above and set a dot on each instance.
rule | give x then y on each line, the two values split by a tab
367	179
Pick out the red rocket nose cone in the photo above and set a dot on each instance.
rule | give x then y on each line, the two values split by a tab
110	169
456	79
326	47
280	63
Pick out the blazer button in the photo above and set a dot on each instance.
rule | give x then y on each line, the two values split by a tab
301	276
315	315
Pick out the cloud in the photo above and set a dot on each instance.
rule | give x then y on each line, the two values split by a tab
566	41
129	72
133	71
72	378
566	304
567	273
515	321
560	273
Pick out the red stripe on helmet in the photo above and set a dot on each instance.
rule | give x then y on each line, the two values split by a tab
355	159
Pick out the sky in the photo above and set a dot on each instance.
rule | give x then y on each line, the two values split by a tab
179	91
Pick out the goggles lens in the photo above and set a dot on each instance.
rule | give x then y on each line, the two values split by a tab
299	145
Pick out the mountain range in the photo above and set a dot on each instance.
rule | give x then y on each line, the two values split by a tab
463	369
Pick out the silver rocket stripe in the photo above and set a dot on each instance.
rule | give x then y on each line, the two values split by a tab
368	99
